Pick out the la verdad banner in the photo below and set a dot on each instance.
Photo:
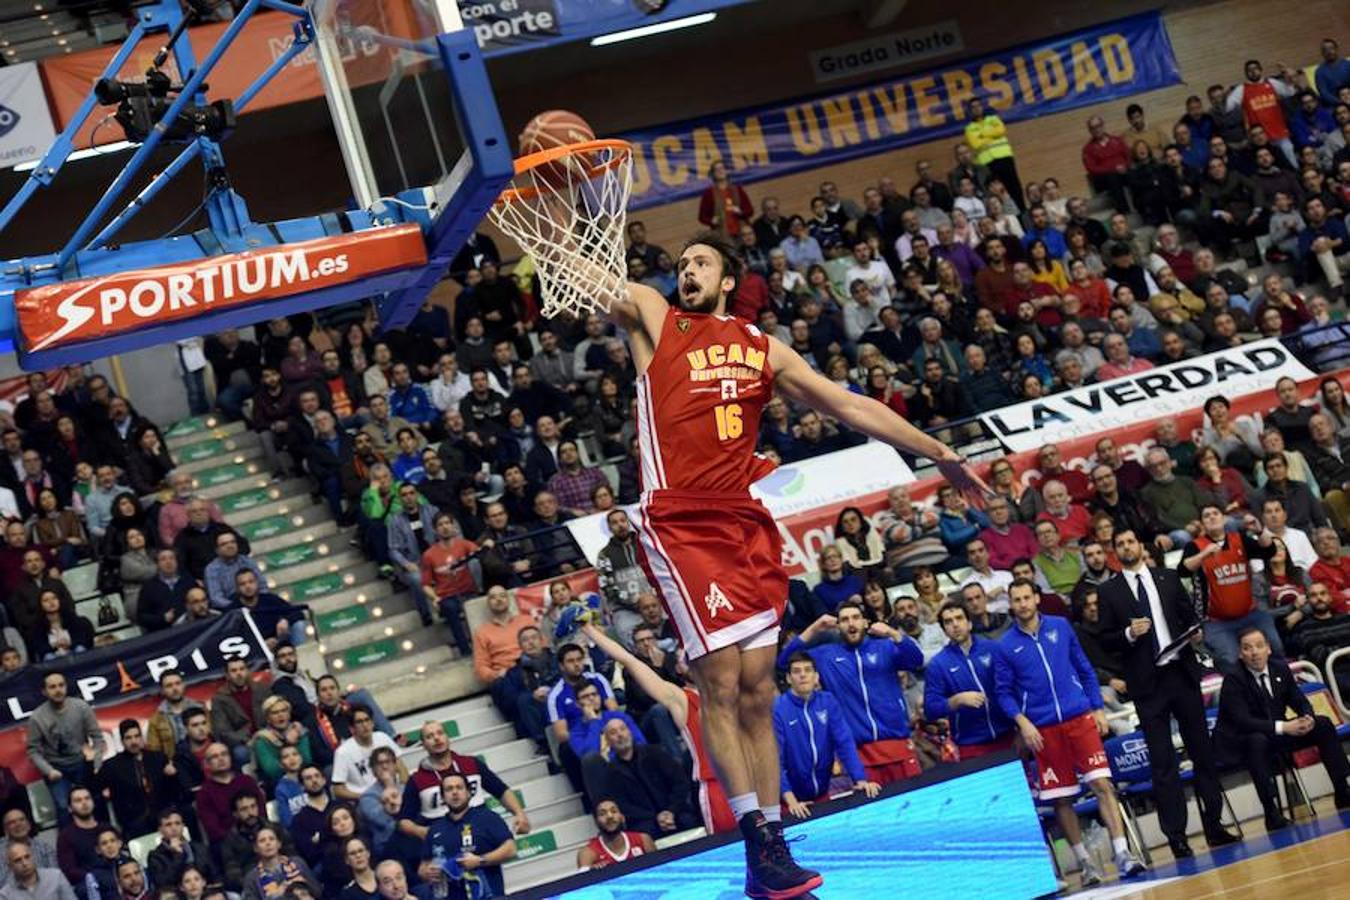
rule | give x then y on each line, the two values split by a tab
1106	62
807	530
130	669
1166	390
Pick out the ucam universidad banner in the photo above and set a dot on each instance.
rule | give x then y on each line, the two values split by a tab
129	669
1167	390
1106	62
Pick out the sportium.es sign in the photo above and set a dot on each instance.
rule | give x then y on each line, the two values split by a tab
886	51
71	311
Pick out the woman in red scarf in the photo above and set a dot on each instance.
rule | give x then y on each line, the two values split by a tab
724	206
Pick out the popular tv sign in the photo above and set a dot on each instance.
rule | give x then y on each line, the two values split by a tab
1167	390
72	311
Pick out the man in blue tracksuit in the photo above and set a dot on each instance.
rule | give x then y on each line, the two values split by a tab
959	686
1044	682
811	734
861	670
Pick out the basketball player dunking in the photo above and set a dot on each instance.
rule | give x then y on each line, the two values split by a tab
711	550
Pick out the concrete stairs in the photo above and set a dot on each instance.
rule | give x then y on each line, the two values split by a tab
367	627
559	823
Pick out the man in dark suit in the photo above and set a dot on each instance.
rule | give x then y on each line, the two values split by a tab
139	782
1253	730
329	450
1142	611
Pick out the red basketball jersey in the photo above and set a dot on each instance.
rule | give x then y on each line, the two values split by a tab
700	403
603	857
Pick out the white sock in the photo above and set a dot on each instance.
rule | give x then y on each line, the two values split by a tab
772	813
1080	853
1120	847
742	804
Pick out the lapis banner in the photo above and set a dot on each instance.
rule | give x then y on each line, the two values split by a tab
1106	62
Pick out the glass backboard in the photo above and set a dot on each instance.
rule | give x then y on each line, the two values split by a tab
394	111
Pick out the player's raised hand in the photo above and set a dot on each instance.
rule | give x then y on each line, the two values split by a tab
826	622
961	475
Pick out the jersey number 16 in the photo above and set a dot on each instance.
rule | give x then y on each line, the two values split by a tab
729	424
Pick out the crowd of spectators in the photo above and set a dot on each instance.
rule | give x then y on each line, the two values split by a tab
459	446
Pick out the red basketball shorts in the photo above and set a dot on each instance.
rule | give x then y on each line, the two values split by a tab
889	760
1072	749
975	751
716	563
716	809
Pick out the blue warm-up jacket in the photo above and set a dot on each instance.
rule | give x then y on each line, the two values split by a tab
864	679
952	671
1046	676
811	734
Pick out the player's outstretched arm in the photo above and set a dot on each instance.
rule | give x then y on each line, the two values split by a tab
640	307
803	384
660	690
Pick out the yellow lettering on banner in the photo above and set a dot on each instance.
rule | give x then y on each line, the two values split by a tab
960	88
805	129
929	106
869	116
748	148
671	176
1024	79
642	177
1116	56
1085	71
839	119
1050	72
992	80
706	151
893	107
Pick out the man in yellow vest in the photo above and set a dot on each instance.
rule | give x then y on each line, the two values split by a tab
988	137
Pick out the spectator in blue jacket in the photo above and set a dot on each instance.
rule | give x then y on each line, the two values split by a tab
837	583
861	670
959	686
407	466
1046	684
811	735
1311	123
410	401
957	522
586	733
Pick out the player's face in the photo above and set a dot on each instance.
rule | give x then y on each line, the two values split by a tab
1023	602
609	818
702	283
802	677
955	625
852	626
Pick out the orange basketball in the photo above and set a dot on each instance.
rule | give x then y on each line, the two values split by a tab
555	128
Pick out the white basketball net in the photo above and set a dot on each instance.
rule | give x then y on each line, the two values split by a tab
569	216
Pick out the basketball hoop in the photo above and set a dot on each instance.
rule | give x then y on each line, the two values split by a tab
566	208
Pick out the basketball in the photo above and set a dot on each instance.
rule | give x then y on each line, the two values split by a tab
554	128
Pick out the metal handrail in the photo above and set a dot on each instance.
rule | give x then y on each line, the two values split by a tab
1332	683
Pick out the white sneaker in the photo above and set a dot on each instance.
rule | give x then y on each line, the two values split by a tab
1130	865
1091	874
